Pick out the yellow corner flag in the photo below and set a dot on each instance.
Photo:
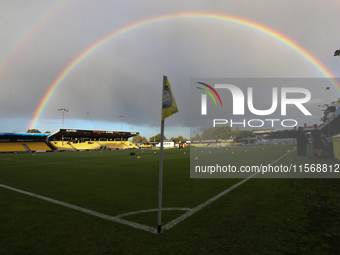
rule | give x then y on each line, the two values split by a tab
169	104
169	107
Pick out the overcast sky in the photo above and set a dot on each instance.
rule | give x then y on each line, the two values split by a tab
123	77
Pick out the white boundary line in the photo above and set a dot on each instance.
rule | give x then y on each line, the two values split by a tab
208	202
137	225
152	210
84	210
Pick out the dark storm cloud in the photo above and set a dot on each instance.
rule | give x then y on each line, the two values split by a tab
124	75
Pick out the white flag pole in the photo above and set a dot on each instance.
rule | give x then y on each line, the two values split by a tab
161	168
160	181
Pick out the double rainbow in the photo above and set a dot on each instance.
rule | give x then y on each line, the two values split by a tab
208	16
23	39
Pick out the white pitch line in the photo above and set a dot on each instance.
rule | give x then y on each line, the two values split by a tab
201	206
137	225
151	210
84	210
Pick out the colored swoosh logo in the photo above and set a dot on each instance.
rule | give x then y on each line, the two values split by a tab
212	89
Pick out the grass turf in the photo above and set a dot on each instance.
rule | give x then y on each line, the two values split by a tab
262	216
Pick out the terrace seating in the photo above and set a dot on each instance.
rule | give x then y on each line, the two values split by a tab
11	147
62	145
130	145
38	146
86	146
111	144
92	145
118	144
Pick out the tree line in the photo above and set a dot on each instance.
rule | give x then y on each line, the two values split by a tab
219	132
224	133
156	139
36	131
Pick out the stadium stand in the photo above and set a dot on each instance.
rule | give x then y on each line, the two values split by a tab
86	146
38	146
11	147
118	145
130	145
59	145
23	142
62	146
78	139
66	140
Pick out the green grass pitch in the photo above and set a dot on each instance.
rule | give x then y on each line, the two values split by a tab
261	216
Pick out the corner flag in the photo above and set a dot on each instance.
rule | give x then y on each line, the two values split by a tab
169	104
169	107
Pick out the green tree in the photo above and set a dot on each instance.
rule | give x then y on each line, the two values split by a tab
157	138
139	139
33	131
208	134
221	132
237	133
224	133
248	133
337	101
179	139
197	137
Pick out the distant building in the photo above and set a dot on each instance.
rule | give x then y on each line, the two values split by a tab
166	144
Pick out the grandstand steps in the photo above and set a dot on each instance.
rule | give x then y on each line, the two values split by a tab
50	145
102	146
72	146
62	146
38	146
26	147
86	146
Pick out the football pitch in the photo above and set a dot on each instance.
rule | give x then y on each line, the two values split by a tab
105	202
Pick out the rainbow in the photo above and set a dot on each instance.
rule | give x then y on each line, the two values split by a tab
22	40
209	16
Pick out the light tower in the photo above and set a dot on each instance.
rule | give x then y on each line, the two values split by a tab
154	125
121	122
62	110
